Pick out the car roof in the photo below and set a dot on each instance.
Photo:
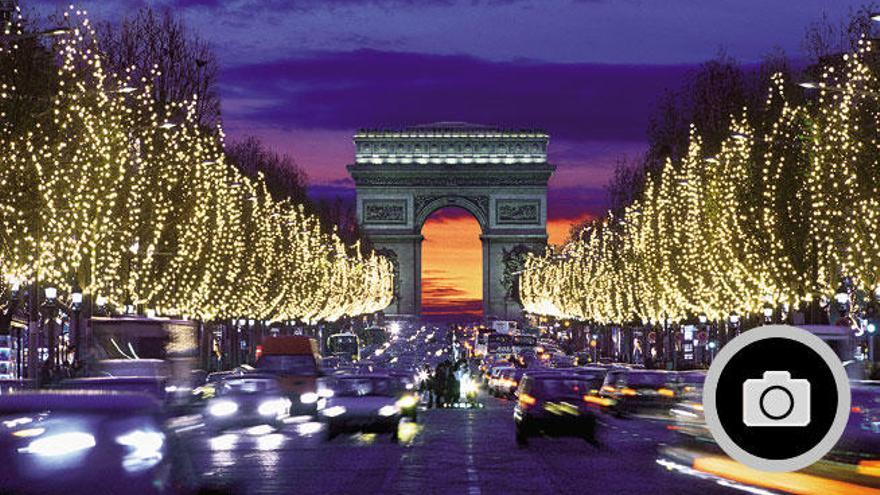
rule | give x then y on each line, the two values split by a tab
364	375
249	376
77	401
555	375
88	380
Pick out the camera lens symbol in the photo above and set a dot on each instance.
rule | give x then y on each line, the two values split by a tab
776	402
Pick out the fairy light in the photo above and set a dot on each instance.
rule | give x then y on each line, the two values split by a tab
776	219
103	171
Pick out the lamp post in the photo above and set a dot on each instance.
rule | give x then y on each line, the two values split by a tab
704	328
768	314
76	300
734	322
842	299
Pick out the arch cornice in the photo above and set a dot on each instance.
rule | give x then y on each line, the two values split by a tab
476	205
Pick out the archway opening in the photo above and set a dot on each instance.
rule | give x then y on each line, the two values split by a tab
452	267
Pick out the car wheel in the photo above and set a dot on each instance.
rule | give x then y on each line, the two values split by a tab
521	438
331	433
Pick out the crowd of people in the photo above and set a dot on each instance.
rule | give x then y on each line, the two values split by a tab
442	385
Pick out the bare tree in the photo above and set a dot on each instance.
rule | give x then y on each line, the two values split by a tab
284	178
160	40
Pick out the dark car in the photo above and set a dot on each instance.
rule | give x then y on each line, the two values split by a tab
860	442
554	403
153	386
635	391
248	400
87	442
365	403
408	399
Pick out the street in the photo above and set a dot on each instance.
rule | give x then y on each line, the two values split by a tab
451	451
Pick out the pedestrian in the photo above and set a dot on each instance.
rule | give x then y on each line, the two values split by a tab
440	384
454	386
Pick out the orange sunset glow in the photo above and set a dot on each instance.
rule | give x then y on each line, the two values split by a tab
452	266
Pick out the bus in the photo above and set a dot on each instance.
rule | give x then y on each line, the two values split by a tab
499	343
344	346
524	342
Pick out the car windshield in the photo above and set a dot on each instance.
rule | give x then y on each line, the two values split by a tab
301	364
356	387
247	386
647	379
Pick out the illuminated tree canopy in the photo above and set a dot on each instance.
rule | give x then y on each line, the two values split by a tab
782	215
135	202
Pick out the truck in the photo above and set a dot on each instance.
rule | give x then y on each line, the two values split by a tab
294	359
504	326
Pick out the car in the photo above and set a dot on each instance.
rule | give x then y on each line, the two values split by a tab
409	397
91	442
689	385
508	381
294	359
153	386
634	391
860	442
248	400
367	403
493	382
553	403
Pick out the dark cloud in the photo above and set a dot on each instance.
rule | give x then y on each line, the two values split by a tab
441	299
369	88
573	202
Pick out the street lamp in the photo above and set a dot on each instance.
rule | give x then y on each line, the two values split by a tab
702	319
51	294
101	301
768	314
734	318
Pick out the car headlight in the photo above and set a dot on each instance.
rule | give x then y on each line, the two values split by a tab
60	445
332	412
223	408
145	449
274	407
407	401
326	392
308	398
388	410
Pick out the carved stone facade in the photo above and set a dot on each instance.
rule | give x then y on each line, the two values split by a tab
498	176
391	212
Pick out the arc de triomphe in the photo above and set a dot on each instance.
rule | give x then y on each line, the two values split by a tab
499	176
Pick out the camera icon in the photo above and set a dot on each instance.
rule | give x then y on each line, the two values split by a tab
776	400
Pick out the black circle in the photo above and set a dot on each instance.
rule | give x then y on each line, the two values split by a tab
790	402
751	362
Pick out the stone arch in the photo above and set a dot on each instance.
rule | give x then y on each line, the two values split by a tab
425	206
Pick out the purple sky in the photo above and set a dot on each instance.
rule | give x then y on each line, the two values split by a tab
304	74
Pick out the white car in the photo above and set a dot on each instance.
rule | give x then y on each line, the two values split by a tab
368	403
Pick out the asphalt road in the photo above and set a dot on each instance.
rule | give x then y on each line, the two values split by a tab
461	451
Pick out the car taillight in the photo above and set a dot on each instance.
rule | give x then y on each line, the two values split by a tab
601	401
527	400
608	388
856	409
628	391
665	392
